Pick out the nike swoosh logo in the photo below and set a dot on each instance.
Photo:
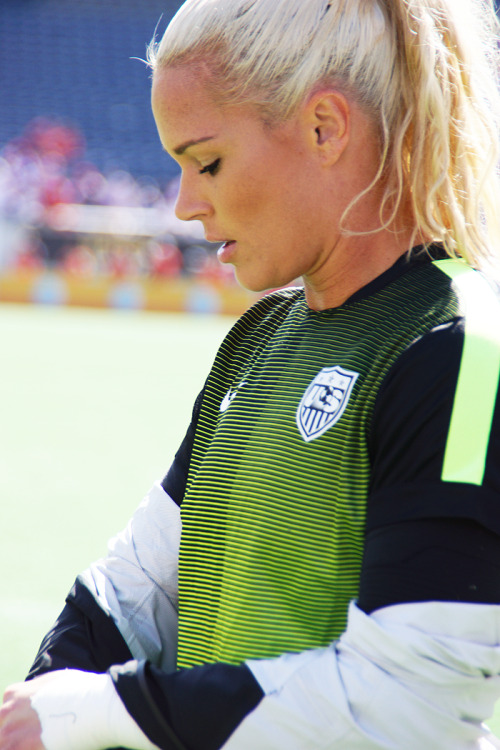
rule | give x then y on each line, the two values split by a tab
226	401
230	395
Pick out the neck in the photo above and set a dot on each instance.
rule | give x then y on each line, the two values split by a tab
351	264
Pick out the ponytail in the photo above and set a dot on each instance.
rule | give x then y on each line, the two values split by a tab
444	137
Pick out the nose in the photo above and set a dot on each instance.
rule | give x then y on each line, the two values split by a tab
190	204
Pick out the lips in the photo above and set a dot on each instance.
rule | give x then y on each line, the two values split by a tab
226	251
219	240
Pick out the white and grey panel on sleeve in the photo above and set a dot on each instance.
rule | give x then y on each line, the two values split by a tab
136	584
412	676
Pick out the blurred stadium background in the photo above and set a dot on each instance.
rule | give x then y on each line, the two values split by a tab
86	191
93	402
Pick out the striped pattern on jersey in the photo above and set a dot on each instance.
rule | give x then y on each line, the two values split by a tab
273	524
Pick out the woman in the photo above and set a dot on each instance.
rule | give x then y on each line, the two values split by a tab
337	580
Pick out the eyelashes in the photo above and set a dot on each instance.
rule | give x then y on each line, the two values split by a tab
212	168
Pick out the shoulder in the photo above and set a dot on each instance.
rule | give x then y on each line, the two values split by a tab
463	338
435	431
430	309
476	291
436	287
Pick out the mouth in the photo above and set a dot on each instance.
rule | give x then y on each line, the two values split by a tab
225	251
217	240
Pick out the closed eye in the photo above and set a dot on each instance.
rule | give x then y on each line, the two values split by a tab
212	168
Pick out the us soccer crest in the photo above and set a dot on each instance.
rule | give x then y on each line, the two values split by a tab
324	401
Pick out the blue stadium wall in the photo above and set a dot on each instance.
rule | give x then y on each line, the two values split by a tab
73	60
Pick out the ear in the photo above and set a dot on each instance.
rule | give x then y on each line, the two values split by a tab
327	116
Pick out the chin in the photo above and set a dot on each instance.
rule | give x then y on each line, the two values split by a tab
259	285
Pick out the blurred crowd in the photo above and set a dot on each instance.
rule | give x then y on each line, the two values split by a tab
45	168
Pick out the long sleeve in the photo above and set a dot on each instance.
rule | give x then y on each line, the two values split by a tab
411	675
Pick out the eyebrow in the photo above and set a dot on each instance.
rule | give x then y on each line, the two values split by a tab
184	146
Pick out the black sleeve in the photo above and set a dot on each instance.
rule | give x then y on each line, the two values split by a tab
427	539
408	440
192	709
174	483
84	637
436	559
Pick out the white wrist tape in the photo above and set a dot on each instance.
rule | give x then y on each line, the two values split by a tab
83	711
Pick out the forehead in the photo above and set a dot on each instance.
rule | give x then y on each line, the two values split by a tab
179	92
186	108
179	85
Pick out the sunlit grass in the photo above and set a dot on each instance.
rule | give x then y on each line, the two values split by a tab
93	406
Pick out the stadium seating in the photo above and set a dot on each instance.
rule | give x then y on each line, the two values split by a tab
72	61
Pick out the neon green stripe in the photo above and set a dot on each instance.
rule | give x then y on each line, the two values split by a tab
475	395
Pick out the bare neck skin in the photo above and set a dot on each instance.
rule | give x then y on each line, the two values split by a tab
350	261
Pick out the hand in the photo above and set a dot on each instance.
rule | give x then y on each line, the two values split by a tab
20	727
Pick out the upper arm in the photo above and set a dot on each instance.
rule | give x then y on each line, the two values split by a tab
427	537
136	583
413	434
125	604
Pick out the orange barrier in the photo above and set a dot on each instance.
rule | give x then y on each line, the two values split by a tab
172	295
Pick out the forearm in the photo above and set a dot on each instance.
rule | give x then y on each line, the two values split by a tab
412	676
390	665
68	710
84	637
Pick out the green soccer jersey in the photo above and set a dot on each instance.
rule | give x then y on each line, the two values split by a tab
275	503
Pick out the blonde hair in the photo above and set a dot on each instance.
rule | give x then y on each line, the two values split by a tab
425	70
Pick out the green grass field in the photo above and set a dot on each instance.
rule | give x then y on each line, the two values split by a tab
93	405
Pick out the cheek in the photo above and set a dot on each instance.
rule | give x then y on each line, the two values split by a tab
263	194
247	201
